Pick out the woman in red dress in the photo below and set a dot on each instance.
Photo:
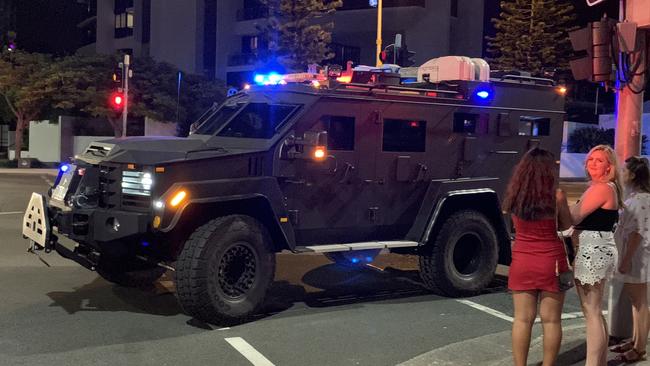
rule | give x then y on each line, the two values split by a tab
537	207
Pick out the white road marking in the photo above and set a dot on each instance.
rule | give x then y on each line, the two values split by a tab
500	315
486	309
248	351
48	181
12	213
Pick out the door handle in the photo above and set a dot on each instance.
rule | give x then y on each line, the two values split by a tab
346	173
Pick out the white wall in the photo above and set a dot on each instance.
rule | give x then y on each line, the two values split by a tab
156	128
45	140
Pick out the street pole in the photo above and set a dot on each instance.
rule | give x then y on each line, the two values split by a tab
379	20
125	75
629	109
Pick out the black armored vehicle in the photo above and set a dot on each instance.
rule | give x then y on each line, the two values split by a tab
342	162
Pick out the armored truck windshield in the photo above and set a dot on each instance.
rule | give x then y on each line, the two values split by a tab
247	120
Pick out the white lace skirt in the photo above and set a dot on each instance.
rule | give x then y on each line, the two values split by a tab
597	257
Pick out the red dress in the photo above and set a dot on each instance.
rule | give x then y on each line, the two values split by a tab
535	253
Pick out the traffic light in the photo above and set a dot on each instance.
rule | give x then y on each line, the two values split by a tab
405	57
595	44
117	101
118	75
387	56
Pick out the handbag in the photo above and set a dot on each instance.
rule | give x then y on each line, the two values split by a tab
565	279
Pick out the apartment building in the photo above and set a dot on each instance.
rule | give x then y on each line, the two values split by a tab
220	38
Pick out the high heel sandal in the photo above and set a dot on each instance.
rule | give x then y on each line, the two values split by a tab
635	357
622	347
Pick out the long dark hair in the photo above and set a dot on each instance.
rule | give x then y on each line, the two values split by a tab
531	190
640	171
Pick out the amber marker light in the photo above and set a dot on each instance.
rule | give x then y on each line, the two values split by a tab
344	79
562	90
319	153
178	198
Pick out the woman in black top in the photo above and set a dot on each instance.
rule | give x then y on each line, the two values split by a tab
596	255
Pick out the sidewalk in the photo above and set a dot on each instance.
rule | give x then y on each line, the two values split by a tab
495	350
53	172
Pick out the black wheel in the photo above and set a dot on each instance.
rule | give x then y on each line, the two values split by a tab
462	259
225	269
129	272
353	258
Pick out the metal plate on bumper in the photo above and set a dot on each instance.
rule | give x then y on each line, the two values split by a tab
36	224
61	189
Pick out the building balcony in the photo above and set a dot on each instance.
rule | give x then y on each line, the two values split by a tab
251	13
364	4
242	59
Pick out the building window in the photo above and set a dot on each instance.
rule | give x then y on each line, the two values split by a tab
340	132
343	54
404	135
124	18
253	44
534	126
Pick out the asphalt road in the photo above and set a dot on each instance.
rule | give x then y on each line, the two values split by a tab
317	314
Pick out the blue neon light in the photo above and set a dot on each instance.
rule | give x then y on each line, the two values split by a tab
65	167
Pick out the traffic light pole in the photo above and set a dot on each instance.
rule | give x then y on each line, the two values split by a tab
125	112
629	105
629	111
379	20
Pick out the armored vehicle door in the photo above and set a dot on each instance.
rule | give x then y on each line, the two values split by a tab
403	169
327	200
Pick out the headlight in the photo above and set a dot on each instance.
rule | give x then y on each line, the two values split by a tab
136	183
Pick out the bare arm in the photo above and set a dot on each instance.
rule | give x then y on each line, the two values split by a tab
633	242
596	196
563	213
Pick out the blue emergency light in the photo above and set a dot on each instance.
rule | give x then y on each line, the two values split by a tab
64	168
272	78
483	94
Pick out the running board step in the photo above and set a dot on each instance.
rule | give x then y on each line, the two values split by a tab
356	246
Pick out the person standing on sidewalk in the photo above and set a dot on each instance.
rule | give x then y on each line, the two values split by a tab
633	241
595	215
537	208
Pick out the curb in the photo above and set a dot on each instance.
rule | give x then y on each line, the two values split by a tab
53	172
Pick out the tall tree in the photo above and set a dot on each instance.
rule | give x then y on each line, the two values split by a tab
27	86
295	34
532	35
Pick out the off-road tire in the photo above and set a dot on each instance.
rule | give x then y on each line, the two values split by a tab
343	258
446	270
130	272
225	270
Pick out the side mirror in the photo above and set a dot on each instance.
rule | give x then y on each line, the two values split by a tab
311	146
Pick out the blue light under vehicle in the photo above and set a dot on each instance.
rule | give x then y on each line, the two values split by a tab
483	94
64	168
354	260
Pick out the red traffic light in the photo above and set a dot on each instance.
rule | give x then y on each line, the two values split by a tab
117	101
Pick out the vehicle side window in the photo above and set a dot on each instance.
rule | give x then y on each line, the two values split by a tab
534	126
471	123
258	120
340	132
404	135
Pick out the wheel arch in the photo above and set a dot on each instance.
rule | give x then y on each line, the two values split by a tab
485	201
198	212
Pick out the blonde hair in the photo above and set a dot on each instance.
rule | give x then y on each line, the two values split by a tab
613	175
